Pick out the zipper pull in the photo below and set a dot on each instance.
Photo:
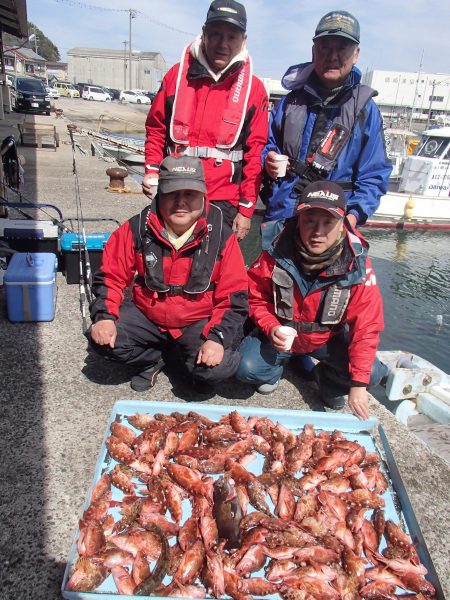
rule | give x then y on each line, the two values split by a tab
207	244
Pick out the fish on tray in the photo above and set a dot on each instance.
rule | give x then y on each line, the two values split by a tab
199	518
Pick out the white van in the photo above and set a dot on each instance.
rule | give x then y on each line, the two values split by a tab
91	92
66	89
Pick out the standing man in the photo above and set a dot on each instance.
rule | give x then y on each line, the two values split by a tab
329	126
211	106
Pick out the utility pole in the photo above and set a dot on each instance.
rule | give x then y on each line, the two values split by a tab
133	14
434	83
125	64
35	40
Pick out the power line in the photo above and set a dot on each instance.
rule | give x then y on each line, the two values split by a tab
136	12
91	6
167	26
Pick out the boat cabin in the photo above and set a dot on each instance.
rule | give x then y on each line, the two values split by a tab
400	143
427	172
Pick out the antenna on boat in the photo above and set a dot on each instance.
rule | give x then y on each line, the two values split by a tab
415	92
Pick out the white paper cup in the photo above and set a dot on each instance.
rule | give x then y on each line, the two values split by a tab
290	334
282	163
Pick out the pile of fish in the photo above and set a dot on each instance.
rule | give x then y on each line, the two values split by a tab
196	519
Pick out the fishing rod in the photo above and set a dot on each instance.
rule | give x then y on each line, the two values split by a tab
85	282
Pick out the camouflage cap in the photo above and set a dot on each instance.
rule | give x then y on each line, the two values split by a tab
338	22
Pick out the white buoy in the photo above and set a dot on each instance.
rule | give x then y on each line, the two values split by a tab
439	320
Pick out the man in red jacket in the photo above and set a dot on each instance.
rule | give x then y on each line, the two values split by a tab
189	291
210	105
315	278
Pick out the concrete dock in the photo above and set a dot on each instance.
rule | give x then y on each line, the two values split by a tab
56	399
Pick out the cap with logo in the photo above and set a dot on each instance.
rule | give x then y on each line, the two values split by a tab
326	195
338	22
181	173
228	11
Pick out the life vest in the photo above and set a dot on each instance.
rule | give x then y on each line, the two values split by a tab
232	117
334	297
331	311
203	261
331	144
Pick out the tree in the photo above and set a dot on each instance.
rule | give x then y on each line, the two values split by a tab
40	44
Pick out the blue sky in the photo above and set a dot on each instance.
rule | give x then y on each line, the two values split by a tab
393	32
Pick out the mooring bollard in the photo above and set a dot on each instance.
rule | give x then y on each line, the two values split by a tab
116	178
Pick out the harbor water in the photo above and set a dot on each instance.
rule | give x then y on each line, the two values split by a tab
413	272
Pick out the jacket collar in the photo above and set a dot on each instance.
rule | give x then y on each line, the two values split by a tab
156	223
282	250
298	77
200	66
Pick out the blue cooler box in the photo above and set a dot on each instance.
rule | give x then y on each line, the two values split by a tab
30	285
72	244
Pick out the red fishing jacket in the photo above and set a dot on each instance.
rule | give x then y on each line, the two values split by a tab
205	279
204	104
277	285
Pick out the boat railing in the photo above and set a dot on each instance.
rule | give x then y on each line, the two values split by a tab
128	126
116	141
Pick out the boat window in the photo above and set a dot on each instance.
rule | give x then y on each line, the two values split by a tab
432	147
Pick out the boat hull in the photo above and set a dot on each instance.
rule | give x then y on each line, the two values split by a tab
412	211
121	153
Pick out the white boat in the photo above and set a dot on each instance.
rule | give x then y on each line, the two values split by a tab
422	200
122	153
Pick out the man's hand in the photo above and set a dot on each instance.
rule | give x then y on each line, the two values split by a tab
210	354
358	401
149	187
241	225
277	339
104	333
352	220
271	165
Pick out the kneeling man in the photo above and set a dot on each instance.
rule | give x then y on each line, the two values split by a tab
314	275
189	292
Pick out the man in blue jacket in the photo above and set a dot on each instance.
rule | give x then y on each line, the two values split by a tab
329	127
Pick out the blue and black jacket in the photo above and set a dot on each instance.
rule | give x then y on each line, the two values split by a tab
362	162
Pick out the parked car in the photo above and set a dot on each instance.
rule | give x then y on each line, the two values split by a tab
29	95
134	97
52	92
91	92
115	94
151	95
66	89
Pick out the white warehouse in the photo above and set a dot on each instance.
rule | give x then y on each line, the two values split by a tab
427	95
115	68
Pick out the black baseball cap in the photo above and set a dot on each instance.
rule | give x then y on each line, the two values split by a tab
338	22
181	173
323	194
228	11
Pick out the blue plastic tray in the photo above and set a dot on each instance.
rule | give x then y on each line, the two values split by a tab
398	507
